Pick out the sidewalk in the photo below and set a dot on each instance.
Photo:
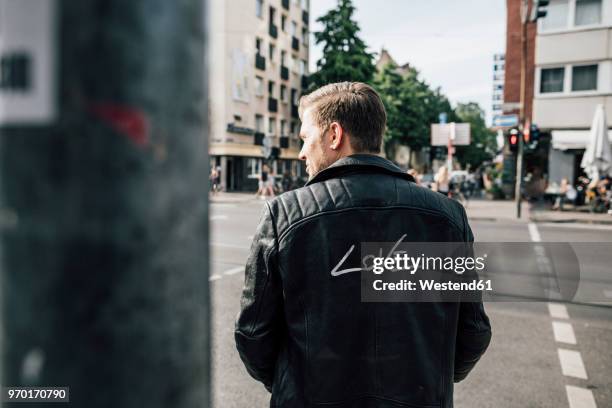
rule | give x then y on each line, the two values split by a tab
478	210
231	198
493	210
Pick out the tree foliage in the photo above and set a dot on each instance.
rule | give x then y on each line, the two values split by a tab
483	144
345	56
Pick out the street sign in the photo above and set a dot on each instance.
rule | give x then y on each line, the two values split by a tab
442	117
505	121
27	62
441	133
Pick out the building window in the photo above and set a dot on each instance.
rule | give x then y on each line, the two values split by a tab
259	8
304	4
294	28
551	80
283	94
588	12
253	166
303	67
584	78
258	45
304	36
259	123
259	86
295	64
295	97
272	126
272	51
284	23
272	15
271	89
283	127
556	15
283	60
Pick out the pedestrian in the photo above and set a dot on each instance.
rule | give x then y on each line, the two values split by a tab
214	180
442	180
415	175
303	331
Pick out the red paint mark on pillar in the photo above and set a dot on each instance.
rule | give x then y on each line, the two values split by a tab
128	121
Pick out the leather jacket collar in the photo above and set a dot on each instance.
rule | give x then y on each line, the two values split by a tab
359	163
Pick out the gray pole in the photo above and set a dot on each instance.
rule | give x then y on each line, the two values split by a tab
104	213
522	115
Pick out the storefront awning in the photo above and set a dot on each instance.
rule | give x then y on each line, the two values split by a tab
235	149
572	139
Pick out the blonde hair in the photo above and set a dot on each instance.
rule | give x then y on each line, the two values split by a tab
356	106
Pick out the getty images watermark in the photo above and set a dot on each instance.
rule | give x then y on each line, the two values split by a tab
449	271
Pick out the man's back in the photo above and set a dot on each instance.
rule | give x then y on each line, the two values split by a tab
328	347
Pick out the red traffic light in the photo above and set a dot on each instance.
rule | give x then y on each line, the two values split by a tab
513	140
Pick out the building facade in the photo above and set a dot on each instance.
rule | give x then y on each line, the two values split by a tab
573	74
258	64
499	69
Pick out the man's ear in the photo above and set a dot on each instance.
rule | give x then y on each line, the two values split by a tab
336	136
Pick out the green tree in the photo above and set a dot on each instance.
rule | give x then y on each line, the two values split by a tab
483	144
409	102
345	56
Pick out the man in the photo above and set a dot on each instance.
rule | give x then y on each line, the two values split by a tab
304	331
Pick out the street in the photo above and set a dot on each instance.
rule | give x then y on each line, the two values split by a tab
542	354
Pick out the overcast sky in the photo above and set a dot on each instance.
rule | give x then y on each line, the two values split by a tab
450	42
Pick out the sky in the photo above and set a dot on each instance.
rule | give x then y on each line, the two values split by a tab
450	42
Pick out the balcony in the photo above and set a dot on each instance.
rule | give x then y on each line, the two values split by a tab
295	43
285	4
304	81
284	142
284	72
260	62
294	112
273	105
305	17
273	31
258	138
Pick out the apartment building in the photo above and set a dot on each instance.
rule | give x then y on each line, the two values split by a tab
258	64
499	69
573	74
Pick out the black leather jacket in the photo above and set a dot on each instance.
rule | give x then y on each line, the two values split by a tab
307	336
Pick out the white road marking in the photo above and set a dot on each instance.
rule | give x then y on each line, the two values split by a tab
558	311
580	397
608	293
218	217
564	332
571	364
533	232
214	278
234	270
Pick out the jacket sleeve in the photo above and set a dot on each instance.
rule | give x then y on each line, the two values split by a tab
473	332
259	325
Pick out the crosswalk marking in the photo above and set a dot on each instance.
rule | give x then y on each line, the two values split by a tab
571	364
558	311
533	232
564	332
580	397
214	277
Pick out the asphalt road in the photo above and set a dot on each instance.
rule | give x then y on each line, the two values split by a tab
543	354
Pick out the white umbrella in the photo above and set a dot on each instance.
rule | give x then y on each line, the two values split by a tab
597	159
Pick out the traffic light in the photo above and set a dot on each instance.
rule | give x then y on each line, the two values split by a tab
513	140
538	10
535	134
